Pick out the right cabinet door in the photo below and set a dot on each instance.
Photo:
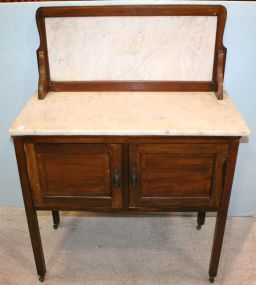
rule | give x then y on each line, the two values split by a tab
176	175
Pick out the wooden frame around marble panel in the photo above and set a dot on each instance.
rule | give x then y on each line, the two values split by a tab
216	85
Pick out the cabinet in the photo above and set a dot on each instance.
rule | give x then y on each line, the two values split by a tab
156	174
127	174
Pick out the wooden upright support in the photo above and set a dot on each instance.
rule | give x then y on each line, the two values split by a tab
220	73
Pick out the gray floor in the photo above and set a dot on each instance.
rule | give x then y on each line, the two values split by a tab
103	249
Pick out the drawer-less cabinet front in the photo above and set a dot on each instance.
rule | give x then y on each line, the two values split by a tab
83	175
166	175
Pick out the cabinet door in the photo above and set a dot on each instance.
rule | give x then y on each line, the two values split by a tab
176	175
75	175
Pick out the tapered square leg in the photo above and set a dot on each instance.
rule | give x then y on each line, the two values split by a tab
36	244
217	245
223	210
56	219
29	208
200	219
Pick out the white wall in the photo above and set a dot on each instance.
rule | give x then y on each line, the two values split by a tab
18	80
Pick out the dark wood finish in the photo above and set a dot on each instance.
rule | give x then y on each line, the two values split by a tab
176	174
43	62
45	83
200	219
223	210
30	209
148	166
134	10
84	174
44	77
143	86
221	56
128	139
56	219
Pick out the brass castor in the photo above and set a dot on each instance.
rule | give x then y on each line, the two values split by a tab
211	279
199	227
41	278
55	226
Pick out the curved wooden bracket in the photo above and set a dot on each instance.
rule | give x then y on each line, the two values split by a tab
220	73
43	83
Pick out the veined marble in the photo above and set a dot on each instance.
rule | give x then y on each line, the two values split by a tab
130	113
131	48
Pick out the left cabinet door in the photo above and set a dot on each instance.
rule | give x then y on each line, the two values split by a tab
75	175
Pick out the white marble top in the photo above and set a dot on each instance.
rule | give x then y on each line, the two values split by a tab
130	113
175	48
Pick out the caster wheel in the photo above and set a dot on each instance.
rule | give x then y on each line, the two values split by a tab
55	226
199	227
211	279
41	278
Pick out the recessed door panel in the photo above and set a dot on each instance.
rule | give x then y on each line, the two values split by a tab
75	174
87	173
179	175
176	174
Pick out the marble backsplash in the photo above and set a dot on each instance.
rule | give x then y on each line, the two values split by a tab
131	48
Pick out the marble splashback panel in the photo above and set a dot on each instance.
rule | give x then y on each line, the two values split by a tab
131	48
